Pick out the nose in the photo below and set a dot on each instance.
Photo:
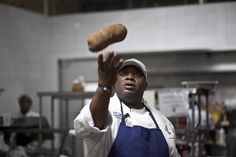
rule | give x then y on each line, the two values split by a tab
130	76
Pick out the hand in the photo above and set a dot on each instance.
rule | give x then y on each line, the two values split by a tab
108	68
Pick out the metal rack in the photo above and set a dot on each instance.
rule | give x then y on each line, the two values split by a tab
197	133
62	96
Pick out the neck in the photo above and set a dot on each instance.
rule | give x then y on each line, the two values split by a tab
135	105
131	101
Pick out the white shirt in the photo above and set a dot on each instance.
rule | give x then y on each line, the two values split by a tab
3	146
19	151
28	114
99	142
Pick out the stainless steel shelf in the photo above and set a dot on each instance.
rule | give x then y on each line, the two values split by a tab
65	96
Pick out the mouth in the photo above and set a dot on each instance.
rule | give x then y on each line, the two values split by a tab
129	86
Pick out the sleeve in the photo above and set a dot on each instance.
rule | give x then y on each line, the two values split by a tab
168	131
174	152
84	125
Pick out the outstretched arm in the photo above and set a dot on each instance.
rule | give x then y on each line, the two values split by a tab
107	73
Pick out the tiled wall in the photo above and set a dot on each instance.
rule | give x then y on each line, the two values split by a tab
24	48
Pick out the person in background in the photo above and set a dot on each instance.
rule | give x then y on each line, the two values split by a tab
25	105
21	140
122	124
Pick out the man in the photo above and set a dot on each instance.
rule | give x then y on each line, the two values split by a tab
25	104
21	139
123	125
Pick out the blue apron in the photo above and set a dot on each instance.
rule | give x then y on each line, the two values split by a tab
137	141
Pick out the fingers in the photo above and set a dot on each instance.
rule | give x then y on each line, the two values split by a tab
110	61
100	60
116	62
108	67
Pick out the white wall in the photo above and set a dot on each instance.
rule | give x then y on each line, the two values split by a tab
30	44
24	47
168	28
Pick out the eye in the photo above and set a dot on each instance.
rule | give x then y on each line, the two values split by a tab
123	73
137	75
134	74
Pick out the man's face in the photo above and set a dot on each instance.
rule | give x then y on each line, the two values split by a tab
130	84
25	105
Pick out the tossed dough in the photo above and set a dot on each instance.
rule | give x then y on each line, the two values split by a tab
110	34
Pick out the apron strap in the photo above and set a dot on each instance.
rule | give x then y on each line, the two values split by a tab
122	114
152	116
123	117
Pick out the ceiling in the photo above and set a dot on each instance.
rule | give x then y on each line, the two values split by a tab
59	7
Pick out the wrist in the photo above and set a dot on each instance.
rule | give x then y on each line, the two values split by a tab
104	88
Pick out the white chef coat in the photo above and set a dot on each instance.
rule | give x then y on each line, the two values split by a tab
99	142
